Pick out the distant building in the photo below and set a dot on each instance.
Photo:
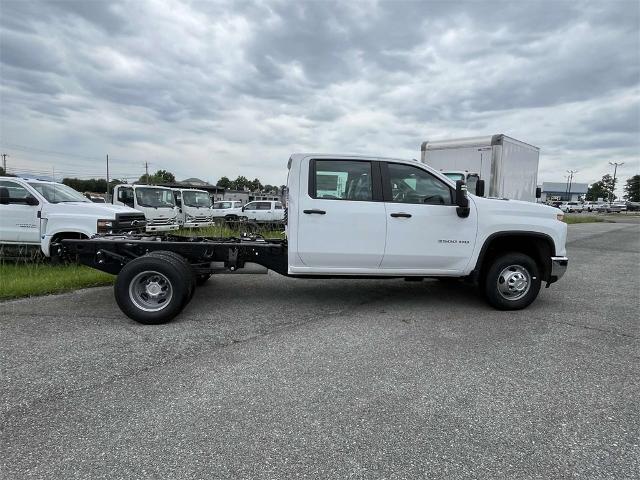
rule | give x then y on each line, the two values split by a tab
245	196
196	182
216	193
560	191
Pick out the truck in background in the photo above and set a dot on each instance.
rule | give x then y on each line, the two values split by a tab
43	213
157	204
194	207
508	166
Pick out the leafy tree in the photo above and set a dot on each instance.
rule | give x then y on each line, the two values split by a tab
602	189
241	183
224	182
632	189
5	174
255	185
161	176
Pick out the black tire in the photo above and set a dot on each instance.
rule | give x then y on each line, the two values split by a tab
181	263
202	279
514	275
166	276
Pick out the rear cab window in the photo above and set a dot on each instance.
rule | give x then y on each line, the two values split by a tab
342	180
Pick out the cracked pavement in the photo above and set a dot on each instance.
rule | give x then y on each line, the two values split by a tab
269	377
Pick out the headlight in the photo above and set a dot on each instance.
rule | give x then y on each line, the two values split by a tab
560	217
104	225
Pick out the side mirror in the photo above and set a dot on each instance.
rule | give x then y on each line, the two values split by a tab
4	196
538	192
31	200
243	208
462	201
480	188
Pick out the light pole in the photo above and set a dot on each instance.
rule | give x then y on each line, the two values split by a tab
570	181
615	170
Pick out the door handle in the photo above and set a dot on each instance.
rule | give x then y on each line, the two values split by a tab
319	212
401	215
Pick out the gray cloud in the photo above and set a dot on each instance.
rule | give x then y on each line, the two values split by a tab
226	88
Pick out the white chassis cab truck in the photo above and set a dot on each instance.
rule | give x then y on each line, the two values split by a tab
157	204
508	166
352	216
42	213
194	207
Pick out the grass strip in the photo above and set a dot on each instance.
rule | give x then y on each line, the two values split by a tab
31	279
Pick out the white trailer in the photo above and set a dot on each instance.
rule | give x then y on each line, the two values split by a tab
508	166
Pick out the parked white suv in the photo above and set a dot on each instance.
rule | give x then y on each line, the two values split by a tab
571	207
37	212
229	210
264	211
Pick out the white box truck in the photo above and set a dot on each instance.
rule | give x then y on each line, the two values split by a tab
194	207
508	166
157	204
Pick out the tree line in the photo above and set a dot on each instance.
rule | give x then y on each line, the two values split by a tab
604	189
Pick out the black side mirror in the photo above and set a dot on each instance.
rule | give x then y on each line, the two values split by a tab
31	200
462	201
538	192
4	196
243	208
480	188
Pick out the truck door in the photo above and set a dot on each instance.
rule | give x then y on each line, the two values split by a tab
342	222
424	232
19	221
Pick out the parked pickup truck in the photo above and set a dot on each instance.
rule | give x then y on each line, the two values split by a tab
352	216
36	212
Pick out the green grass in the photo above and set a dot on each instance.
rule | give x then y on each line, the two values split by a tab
30	279
225	231
582	219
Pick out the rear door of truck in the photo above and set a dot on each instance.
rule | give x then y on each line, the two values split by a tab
342	220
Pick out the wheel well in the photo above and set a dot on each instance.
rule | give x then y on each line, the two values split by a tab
68	235
537	246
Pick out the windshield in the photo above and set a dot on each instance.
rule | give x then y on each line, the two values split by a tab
455	176
58	193
196	199
155	197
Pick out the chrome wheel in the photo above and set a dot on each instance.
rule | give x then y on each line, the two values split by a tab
150	291
514	282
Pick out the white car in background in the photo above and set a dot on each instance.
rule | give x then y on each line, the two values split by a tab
264	211
228	210
571	207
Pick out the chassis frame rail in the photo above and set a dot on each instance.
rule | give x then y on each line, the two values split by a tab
207	255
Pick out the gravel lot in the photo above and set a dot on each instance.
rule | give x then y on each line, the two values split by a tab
269	377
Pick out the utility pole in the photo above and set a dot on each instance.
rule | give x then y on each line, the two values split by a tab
146	169
4	162
570	172
615	170
107	199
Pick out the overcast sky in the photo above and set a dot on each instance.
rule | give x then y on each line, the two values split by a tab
206	89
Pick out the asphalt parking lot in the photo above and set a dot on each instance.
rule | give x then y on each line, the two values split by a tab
269	377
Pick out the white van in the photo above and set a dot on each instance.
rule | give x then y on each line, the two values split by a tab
38	212
194	207
157	204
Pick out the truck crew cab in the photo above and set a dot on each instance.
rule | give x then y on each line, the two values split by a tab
353	216
42	213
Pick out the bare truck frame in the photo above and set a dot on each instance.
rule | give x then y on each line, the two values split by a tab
157	275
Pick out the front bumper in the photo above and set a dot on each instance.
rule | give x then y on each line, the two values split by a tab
558	267
161	228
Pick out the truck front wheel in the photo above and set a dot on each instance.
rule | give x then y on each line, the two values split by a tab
151	290
512	281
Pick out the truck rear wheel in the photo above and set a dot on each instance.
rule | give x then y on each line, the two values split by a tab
151	290
512	281
181	263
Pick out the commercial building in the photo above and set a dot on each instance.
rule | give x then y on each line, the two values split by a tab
561	191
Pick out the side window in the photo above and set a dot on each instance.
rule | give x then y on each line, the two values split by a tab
125	195
410	184
342	180
264	205
278	206
251	206
17	193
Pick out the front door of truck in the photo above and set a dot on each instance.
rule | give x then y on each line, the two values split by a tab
342	222
19	221
424	233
